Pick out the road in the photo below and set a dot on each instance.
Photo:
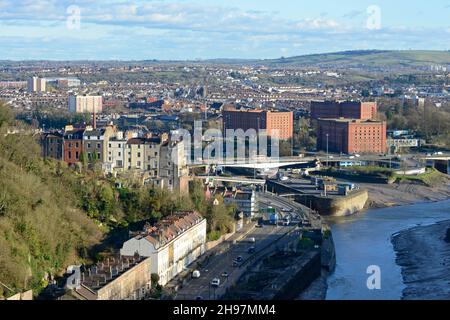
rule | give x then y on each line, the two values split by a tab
267	238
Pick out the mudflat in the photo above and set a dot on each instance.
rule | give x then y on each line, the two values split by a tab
424	256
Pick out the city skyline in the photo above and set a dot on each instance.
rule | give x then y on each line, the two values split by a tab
195	29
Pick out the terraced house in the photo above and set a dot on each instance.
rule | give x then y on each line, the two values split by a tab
172	244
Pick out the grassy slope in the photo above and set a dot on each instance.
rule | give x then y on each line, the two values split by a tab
41	229
369	58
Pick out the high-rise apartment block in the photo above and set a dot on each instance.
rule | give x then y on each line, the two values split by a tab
85	104
36	84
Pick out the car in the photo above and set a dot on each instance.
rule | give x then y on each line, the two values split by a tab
198	298
215	282
196	274
251	240
351	157
251	250
259	225
225	274
239	259
235	263
357	155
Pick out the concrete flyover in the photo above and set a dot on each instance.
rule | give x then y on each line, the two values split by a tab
280	162
233	180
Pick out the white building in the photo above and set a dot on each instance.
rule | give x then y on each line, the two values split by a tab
172	244
245	201
117	148
82	104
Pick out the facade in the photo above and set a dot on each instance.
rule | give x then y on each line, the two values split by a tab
395	145
96	141
144	154
117	278
117	148
343	109
274	122
245	201
73	145
173	169
52	145
351	136
171	245
85	104
36	84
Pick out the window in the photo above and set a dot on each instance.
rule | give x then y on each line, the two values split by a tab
89	145
70	155
120	154
139	155
110	145
76	155
99	146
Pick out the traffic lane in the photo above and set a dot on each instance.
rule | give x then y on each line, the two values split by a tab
210	292
281	203
217	265
223	263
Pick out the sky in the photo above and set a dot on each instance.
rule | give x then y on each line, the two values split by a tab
206	29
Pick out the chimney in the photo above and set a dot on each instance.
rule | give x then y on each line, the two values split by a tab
94	120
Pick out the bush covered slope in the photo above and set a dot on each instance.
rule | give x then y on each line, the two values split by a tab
41	229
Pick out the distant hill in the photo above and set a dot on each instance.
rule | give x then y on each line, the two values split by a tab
370	58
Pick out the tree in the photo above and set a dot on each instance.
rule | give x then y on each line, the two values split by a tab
6	115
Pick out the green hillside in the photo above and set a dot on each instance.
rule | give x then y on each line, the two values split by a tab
41	229
372	58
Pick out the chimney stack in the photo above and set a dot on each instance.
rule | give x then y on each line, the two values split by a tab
94	120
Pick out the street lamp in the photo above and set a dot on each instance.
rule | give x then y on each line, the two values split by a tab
327	150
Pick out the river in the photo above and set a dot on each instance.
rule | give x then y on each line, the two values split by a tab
364	240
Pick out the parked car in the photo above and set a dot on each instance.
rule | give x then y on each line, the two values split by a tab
235	263
251	250
196	274
239	259
215	282
225	274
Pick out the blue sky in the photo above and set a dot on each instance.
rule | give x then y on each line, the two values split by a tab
202	29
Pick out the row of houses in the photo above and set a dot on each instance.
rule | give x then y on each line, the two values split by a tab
160	158
164	249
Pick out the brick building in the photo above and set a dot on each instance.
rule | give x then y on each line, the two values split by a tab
351	136
73	145
258	120
343	109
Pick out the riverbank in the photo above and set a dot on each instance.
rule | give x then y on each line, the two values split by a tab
424	257
405	193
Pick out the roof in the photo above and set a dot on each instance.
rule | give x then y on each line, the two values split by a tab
170	227
154	140
94	133
76	134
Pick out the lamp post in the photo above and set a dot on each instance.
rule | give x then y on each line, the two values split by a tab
327	150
